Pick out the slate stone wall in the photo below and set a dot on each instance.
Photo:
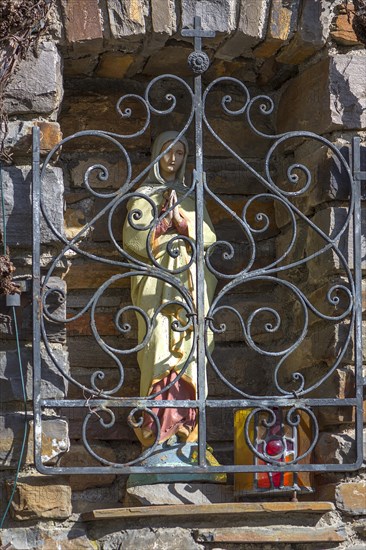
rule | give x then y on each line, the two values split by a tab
305	55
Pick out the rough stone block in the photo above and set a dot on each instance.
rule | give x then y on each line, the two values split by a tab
126	20
178	493
82	20
335	448
351	498
331	221
279	29
114	65
78	456
36	86
54	385
80	66
336	96
18	211
342	31
163	17
41	497
218	15
250	29
18	141
174	538
55	439
173	61
311	33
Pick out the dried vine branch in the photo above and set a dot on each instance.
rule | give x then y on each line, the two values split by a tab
21	24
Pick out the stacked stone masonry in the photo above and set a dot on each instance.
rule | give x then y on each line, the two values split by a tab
305	55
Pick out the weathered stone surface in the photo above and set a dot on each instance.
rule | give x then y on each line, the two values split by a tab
218	15
336	96
114	65
36	86
126	19
351	498
54	385
335	448
163	17
175	538
55	439
311	33
17	194
35	497
80	66
82	20
249	31
96	498
32	538
78	456
342	31
18	141
331	221
340	386
178	493
174	60
280	26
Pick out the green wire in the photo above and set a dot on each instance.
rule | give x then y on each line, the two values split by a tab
25	433
25	421
3	208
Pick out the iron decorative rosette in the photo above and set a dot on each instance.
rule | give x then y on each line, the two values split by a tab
199	62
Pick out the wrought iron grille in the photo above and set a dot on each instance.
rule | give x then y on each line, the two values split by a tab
288	382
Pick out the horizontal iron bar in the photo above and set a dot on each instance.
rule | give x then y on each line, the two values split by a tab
202	470
216	403
359	176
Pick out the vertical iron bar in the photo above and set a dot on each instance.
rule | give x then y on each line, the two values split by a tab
200	270
356	166
36	271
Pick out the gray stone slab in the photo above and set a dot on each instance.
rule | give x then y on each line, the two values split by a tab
36	86
250	29
126	19
178	493
17	181
53	385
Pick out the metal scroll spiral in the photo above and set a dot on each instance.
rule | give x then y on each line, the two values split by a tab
293	419
298	182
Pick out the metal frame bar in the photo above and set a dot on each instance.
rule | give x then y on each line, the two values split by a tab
290	400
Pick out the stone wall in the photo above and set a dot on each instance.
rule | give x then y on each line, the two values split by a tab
305	55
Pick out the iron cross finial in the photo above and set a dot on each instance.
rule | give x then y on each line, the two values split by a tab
198	60
198	33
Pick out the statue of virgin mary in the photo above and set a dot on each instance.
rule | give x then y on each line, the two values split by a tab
167	351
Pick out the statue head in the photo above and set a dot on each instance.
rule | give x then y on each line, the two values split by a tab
172	165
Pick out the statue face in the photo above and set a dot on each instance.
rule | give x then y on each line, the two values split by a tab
171	162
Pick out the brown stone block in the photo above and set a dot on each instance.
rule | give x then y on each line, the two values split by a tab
310	35
114	65
335	96
104	323
130	387
278	30
173	60
40	497
89	274
126	20
97	111
343	32
82	20
85	352
351	498
80	66
79	457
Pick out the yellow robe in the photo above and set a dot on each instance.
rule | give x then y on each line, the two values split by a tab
166	349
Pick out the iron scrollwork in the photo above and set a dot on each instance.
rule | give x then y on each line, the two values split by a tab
292	386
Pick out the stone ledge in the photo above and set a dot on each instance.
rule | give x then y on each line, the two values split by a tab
272	534
227	509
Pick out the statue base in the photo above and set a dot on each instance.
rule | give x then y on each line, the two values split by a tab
175	453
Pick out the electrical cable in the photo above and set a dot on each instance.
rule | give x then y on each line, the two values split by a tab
25	432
